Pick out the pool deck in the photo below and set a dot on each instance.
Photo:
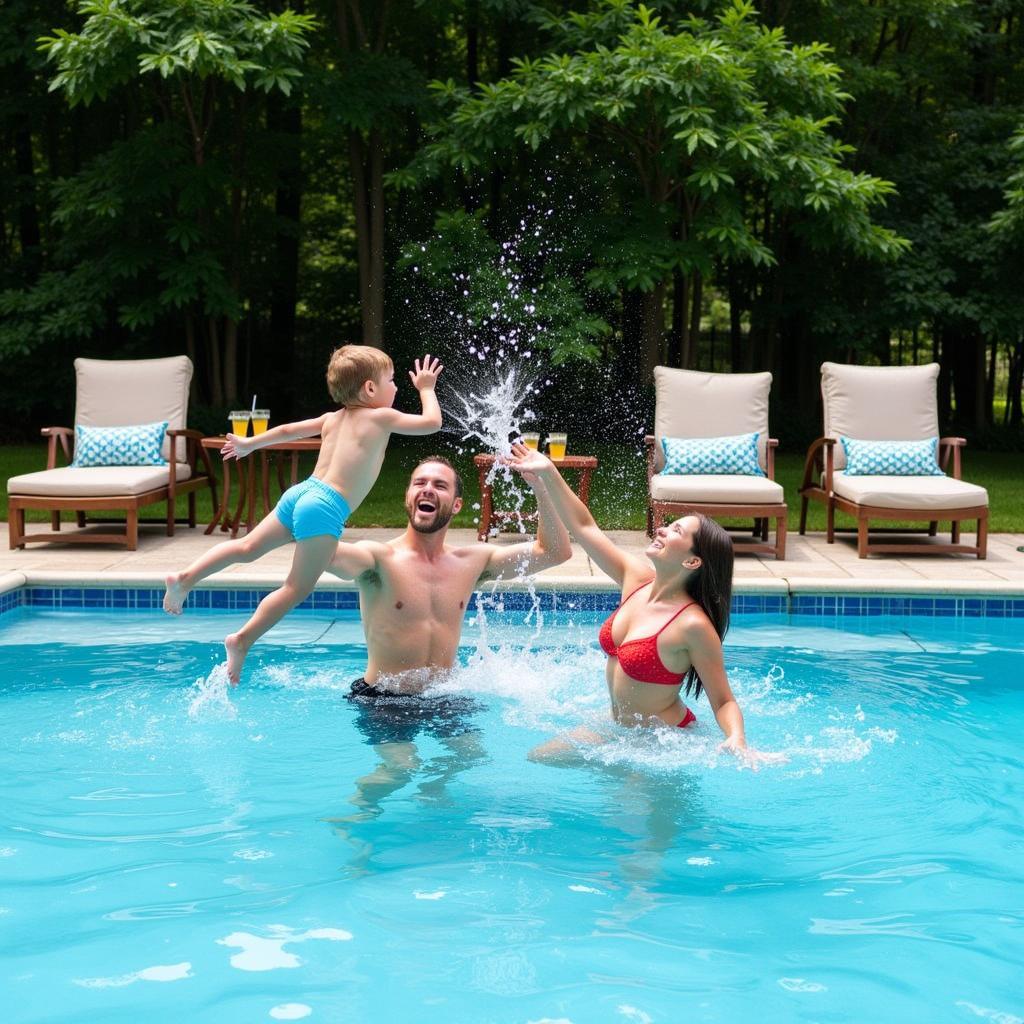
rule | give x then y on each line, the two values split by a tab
811	566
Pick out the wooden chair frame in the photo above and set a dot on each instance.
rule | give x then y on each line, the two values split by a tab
821	463
762	513
128	503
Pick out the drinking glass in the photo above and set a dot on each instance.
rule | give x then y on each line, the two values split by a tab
532	441
260	418
239	422
556	445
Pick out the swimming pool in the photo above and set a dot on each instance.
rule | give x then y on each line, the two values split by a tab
258	861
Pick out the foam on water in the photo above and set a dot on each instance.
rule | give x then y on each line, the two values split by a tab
160	972
551	681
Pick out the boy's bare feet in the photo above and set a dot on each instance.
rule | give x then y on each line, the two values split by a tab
176	593
236	649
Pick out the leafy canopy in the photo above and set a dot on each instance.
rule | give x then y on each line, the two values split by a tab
697	116
225	39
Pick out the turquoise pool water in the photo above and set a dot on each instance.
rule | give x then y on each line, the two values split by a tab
257	860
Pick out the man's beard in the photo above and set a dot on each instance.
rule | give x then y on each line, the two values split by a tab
442	517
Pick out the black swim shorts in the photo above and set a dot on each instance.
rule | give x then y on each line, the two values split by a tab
384	717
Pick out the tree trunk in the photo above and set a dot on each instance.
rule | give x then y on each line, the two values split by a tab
990	382
693	335
627	354
1015	386
680	324
28	215
216	376
472	43
190	350
941	347
376	241
884	343
230	361
735	325
652	330
368	202
966	350
287	120
367	34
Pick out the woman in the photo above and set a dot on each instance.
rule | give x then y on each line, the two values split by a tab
664	641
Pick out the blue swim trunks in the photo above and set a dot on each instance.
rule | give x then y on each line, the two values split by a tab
313	508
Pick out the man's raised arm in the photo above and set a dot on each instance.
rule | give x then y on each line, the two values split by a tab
551	547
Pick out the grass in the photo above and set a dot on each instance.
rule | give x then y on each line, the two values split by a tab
618	489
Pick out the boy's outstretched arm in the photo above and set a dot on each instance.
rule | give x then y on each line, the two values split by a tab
424	379
238	447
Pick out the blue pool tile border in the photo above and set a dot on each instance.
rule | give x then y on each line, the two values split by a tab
839	605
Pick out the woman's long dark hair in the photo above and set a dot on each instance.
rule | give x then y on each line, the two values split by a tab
710	586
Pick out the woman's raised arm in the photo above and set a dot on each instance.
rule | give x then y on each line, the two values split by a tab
609	556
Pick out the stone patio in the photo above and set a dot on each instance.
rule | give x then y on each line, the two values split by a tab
811	564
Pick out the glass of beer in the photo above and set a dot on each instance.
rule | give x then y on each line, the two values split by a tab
532	441
260	419
556	445
239	422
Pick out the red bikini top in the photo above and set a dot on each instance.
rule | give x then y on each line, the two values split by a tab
639	658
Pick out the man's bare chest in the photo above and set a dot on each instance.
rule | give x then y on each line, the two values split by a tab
438	593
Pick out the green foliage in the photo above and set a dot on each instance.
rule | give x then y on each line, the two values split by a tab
197	39
694	115
125	242
489	289
1009	221
827	173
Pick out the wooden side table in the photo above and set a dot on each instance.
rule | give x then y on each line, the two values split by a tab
584	464
253	503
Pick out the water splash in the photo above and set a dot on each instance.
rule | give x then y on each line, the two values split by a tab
490	405
210	697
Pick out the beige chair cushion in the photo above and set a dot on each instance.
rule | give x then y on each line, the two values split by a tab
693	404
879	403
95	482
123	392
923	493
729	490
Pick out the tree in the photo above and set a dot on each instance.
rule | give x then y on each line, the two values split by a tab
694	117
167	207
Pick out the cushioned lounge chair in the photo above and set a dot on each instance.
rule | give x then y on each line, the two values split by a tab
111	393
889	403
704	405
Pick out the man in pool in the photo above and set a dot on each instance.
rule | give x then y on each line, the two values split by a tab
413	595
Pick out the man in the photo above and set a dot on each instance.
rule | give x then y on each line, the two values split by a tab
413	595
413	590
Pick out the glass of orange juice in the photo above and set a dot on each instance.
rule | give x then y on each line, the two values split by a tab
531	441
239	421
556	445
260	419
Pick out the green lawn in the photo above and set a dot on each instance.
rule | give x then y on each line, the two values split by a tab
617	492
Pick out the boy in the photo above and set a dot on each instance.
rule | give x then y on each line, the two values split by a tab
313	513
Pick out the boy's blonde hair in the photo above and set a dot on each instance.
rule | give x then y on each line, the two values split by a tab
351	366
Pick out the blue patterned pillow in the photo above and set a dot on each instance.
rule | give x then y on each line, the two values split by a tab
718	456
892	458
120	446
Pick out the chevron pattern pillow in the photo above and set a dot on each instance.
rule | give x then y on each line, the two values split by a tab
892	458
139	445
716	456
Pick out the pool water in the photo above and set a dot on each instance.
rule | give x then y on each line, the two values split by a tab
172	853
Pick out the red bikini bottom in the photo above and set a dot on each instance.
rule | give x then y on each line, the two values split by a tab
688	719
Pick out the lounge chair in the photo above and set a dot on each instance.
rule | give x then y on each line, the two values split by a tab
691	405
889	403
112	394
